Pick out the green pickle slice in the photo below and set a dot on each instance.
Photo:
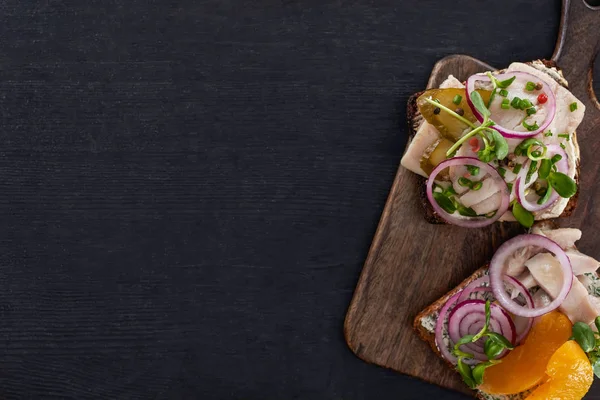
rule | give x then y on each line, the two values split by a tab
449	127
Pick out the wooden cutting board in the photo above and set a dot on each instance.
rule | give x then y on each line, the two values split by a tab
412	263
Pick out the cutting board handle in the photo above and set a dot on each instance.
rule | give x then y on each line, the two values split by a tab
578	45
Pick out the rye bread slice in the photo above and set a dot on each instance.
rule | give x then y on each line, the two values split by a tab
433	309
415	119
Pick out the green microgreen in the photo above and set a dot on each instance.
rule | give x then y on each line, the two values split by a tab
564	185
523	216
495	344
589	341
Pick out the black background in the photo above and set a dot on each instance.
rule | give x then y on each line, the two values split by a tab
189	188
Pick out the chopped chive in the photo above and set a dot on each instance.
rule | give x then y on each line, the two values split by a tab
549	133
502	171
530	86
573	106
531	128
515	102
531	111
444	202
462	181
562	145
525	104
556	158
450	190
510	186
476	186
564	136
503	92
457	99
505	104
532	168
536	153
517	168
473	170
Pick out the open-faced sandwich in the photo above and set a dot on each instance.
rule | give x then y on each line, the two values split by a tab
500	146
525	326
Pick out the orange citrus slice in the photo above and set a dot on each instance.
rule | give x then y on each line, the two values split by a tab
525	366
570	375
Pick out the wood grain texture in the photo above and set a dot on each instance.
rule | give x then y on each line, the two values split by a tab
412	263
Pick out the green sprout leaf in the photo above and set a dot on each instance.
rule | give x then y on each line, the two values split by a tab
479	370
465	371
505	83
596	365
492	349
583	334
597	323
524	217
499	339
545	168
480	104
564	185
500	144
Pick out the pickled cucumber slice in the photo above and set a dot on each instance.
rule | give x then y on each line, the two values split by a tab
449	127
434	155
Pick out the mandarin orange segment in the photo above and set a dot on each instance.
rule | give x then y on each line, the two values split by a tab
570	375
525	366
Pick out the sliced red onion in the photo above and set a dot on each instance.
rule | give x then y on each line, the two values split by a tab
498	267
473	311
439	330
561	166
522	324
521	79
468	222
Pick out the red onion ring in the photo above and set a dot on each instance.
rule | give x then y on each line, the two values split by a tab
561	166
497	271
522	78
474	311
477	286
466	222
439	330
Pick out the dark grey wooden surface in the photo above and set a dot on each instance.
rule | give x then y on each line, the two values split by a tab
189	188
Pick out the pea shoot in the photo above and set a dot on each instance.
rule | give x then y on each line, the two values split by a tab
495	144
498	84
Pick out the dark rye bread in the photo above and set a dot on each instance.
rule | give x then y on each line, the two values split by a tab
430	337
415	119
436	307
